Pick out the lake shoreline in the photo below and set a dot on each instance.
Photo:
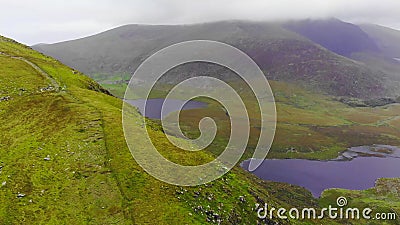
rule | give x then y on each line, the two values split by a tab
357	168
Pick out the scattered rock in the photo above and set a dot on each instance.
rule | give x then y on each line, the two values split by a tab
291	150
242	199
223	169
380	102
20	195
179	192
385	186
5	98
4	183
198	208
48	88
196	194
355	102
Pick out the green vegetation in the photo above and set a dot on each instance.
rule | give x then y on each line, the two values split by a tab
383	198
309	125
116	84
64	159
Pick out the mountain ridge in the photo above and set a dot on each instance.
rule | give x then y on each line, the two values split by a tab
282	54
337	36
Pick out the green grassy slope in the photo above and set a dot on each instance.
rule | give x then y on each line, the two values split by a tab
383	198
64	159
52	147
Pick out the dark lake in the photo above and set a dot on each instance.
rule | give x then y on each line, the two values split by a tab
357	173
153	106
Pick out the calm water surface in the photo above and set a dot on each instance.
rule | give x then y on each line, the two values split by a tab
355	173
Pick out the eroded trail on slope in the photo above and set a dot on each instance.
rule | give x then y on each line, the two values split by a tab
47	76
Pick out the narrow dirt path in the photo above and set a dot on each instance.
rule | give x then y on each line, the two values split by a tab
37	68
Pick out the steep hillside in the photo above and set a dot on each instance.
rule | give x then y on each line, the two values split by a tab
387	59
375	47
335	35
64	159
122	49
387	39
282	54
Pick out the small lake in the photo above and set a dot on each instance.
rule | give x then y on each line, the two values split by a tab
356	169
153	106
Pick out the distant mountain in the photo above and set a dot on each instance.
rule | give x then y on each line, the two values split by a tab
337	36
386	38
387	59
122	49
283	54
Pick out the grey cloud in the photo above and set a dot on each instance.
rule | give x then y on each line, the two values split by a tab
50	21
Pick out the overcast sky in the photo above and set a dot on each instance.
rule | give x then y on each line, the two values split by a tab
49	21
